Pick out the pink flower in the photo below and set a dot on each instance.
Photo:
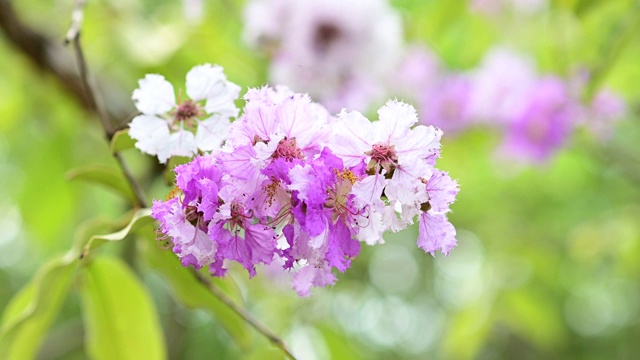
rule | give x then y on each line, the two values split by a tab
543	125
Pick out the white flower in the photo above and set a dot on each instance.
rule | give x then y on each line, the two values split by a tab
395	154
331	49
165	127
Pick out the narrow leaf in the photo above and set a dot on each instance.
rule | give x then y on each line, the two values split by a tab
193	294
121	141
32	311
119	315
140	218
105	176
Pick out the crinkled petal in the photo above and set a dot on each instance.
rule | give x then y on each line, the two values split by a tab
436	233
212	133
369	189
239	162
351	138
442	191
154	95
181	143
202	80
396	118
151	133
371	227
221	99
262	241
419	142
406	185
310	276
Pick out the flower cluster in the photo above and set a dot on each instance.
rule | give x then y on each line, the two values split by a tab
294	183
331	49
537	113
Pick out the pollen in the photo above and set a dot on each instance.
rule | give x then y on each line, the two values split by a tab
175	192
346	174
271	190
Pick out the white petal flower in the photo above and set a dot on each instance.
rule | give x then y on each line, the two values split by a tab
164	128
181	143
212	132
220	99
203	79
396	118
151	133
154	96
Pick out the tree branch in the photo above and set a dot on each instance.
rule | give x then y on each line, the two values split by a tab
50	56
244	314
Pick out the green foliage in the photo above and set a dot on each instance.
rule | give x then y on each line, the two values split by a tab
140	218
193	294
109	177
121	141
119	315
27	318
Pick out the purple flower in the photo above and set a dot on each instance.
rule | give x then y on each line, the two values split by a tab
447	106
435	230
543	125
190	242
294	184
501	86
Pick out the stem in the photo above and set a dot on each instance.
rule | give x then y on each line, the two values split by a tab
244	314
50	56
94	101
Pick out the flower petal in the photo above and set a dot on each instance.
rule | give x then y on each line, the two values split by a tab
212	133
202	79
154	95
151	133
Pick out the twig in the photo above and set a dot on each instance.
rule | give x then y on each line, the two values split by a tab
73	37
50	56
245	315
76	21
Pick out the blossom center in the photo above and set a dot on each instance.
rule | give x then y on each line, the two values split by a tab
338	194
382	157
187	110
287	149
325	35
238	216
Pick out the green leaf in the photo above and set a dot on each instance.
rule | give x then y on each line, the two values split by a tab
140	218
121	141
192	294
31	312
119	315
106	176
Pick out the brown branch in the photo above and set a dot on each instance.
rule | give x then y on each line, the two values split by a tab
244	314
95	101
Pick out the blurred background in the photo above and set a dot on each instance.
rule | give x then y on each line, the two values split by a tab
548	257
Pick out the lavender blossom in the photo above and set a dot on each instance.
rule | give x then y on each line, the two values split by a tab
295	184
